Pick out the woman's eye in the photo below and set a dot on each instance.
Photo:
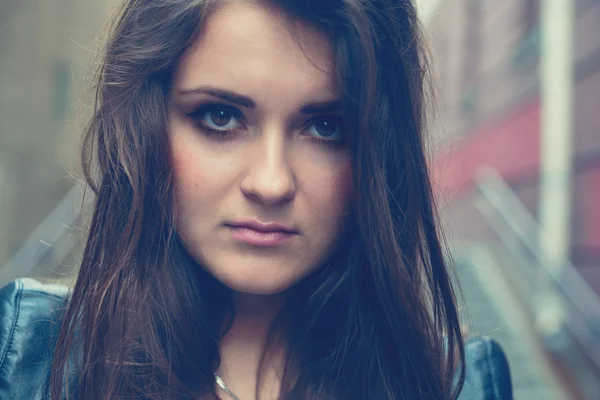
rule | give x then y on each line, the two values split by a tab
326	128
217	117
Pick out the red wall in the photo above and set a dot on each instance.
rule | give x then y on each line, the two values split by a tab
510	146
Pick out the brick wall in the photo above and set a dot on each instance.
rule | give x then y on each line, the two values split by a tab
493	115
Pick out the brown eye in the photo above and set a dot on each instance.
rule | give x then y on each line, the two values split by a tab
221	116
217	117
326	128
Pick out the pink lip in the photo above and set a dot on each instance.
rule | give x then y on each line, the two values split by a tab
262	234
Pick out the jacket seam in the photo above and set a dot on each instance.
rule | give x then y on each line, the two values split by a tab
14	323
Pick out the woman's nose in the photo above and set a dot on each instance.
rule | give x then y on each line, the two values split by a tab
270	178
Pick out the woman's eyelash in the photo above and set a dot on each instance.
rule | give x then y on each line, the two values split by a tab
201	112
335	119
228	112
203	109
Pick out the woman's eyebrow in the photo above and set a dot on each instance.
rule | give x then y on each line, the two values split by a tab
220	93
330	106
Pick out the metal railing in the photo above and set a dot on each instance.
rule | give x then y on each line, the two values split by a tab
518	230
46	245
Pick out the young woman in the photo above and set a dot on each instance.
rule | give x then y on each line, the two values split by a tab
263	225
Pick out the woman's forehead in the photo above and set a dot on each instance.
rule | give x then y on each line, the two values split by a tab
248	48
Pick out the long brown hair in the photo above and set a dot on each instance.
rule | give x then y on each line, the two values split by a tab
379	321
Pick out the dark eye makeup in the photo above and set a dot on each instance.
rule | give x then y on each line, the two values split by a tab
222	121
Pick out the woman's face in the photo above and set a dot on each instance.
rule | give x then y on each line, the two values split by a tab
261	172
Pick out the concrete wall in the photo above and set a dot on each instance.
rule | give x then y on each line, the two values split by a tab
45	50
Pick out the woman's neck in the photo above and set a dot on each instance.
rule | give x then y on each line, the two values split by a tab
243	346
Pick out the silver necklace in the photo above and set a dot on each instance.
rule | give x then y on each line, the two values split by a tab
223	386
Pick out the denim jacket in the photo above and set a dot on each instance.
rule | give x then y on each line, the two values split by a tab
29	315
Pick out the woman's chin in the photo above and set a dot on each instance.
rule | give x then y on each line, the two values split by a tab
257	285
257	276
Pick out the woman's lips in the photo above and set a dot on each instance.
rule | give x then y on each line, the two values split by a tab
262	238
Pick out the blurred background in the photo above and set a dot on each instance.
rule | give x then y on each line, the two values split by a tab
516	153
516	143
46	51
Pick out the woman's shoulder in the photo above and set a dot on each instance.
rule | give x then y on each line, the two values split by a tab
30	314
487	371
